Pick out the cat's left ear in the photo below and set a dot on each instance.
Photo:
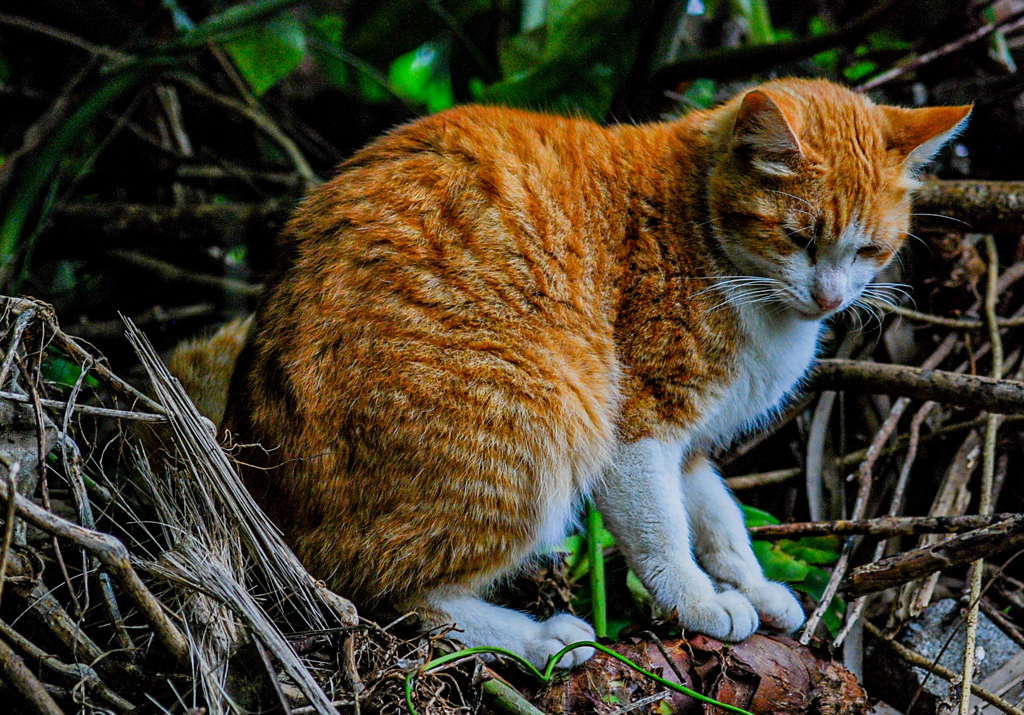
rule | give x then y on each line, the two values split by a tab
917	134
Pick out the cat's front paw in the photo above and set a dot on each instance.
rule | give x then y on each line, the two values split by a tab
779	609
555	634
728	616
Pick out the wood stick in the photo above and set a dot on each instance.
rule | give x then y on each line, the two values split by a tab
173	274
987	473
1009	629
113	554
971	391
760	479
984	206
941	320
1008	24
1001	538
19	675
13	468
85	409
75	672
886	526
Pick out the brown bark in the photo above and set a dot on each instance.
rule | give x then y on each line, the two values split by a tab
985	206
762	675
972	391
1002	538
882	526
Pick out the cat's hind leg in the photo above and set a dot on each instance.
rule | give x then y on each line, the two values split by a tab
480	623
722	546
642	500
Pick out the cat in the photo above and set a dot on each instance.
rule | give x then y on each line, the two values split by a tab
489	316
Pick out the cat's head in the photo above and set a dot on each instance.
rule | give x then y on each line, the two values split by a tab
811	189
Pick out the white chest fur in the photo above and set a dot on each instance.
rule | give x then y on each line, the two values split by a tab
777	351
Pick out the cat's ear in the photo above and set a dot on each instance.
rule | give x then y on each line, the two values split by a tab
916	134
762	125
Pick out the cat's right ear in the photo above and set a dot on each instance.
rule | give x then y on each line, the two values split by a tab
762	125
915	135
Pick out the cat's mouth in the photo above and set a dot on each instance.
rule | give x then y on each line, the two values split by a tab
817	313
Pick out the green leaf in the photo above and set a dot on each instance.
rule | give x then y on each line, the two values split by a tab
266	53
522	52
572	544
755	15
641	596
829	59
421	76
860	69
59	371
577	63
757	517
237	256
576	546
701	93
779	565
330	30
816	549
887	39
814	586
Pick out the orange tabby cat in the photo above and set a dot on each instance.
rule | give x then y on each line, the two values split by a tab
489	315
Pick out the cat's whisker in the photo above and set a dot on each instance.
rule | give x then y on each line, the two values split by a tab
855	318
951	218
738	284
705	223
755	297
888	293
806	212
814	208
737	301
868	308
923	242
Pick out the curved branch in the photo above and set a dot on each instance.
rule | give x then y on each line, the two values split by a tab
744	61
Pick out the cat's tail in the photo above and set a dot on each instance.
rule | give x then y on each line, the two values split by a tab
204	366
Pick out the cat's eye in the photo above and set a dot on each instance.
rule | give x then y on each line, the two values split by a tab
802	237
869	251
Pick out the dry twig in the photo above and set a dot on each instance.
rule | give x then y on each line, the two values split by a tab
1002	538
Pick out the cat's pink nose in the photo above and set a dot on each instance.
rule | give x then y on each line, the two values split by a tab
828	301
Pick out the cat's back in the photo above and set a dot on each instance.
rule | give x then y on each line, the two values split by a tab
467	231
448	288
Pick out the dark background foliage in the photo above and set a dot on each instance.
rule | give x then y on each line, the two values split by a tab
152	148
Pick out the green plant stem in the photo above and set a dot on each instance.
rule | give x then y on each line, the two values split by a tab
546	676
598	595
504	698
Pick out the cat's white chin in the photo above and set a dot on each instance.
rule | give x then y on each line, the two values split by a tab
815	314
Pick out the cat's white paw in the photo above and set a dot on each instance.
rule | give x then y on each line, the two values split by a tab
555	634
729	616
779	609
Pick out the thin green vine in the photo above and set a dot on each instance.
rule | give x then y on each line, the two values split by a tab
547	674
